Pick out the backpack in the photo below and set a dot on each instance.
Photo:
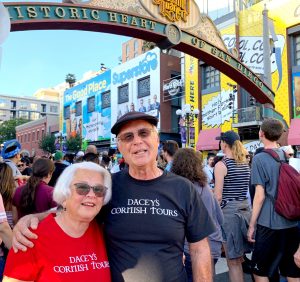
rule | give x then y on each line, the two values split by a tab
287	197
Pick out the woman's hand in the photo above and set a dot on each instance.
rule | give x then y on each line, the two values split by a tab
22	236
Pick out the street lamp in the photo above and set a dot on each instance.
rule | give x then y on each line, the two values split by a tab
188	115
60	137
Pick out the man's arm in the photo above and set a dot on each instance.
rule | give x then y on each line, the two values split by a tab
201	261
258	201
22	236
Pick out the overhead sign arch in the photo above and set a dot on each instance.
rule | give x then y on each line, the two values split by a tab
198	37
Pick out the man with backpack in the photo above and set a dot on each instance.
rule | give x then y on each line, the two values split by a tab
276	238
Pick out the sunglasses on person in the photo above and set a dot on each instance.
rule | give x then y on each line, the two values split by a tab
20	165
83	189
128	137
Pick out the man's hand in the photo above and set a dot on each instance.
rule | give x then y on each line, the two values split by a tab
250	234
22	235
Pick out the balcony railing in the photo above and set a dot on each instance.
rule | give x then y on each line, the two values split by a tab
247	116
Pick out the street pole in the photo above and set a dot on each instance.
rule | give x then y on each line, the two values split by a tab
266	48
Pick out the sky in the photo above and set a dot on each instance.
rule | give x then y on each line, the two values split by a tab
32	60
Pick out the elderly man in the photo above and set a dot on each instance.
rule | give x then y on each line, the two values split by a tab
150	214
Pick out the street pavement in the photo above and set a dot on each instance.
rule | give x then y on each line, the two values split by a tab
222	272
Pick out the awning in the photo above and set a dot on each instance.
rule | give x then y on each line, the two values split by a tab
207	139
294	132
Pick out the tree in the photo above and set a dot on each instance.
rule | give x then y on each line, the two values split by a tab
74	143
71	79
47	143
8	128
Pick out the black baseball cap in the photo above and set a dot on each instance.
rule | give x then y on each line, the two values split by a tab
130	116
229	137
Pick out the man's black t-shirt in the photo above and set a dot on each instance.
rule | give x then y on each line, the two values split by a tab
146	223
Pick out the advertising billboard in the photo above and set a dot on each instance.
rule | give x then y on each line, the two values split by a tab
87	109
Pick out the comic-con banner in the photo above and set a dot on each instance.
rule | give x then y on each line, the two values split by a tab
87	109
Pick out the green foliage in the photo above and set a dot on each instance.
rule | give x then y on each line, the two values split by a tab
74	143
47	143
8	128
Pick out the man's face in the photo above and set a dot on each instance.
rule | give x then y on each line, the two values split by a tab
210	161
142	150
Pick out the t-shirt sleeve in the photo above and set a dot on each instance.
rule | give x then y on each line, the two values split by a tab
21	265
258	176
3	217
199	223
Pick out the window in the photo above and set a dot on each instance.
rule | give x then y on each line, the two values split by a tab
136	48
67	112
2	114
43	132
28	137
144	87
78	108
105	99
33	107
34	116
297	50
123	94
44	107
53	109
211	77
37	135
127	52
13	104
25	138
33	136
24	114
91	104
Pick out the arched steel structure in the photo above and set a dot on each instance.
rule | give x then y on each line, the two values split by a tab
45	16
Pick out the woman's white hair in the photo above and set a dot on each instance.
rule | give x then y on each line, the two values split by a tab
62	189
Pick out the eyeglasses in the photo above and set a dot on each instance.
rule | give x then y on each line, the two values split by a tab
128	137
20	165
83	189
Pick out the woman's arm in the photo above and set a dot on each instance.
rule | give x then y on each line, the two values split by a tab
220	172
6	234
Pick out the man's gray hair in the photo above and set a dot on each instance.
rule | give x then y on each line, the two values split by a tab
62	189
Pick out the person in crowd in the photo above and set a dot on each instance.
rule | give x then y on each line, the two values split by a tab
7	188
149	215
155	105
232	176
142	108
70	246
59	167
288	151
27	170
276	238
105	162
209	170
11	156
68	159
5	235
91	149
169	149
36	196
188	163
132	107
91	157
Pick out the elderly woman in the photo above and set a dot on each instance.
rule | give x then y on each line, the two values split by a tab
232	176
70	245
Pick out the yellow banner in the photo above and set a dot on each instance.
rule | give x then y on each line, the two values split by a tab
191	97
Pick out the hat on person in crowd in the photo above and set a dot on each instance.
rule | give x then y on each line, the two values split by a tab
11	148
130	116
58	155
287	149
80	154
229	137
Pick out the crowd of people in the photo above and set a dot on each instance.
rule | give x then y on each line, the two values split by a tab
152	212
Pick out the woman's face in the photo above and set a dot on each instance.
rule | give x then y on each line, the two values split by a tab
84	207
